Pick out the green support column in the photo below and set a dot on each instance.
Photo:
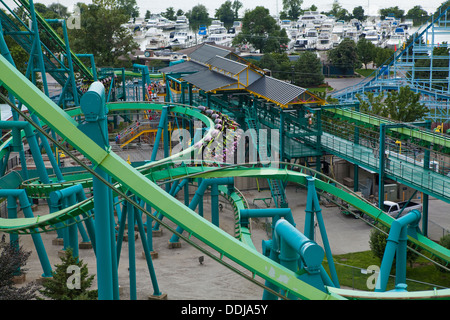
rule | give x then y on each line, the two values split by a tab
94	109
281	137
381	166
425	198
355	165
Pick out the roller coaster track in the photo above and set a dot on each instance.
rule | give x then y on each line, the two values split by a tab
141	182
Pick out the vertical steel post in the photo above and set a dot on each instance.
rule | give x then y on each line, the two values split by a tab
381	166
94	109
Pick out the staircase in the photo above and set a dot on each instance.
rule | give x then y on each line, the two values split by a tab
276	187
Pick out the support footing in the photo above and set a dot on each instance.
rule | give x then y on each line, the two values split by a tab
162	296
174	245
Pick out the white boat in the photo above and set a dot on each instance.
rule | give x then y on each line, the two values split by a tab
219	39
181	40
311	17
311	35
324	41
327	26
216	27
301	44
182	22
285	24
156	39
335	40
352	33
338	28
373	36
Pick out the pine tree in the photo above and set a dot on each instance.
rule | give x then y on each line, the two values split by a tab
70	280
12	259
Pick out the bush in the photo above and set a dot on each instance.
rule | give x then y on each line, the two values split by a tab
61	286
445	242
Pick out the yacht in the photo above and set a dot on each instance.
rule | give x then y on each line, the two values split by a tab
396	39
220	39
216	27
352	34
324	41
301	44
327	26
311	35
182	22
339	28
373	36
156	40
182	40
311	17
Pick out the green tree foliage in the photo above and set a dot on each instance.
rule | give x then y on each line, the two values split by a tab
358	13
338	12
236	6
418	15
308	70
169	14
404	105
292	8
278	63
225	13
395	11
198	14
383	56
445	242
366	51
63	285
103	35
13	258
262	31
344	55
129	7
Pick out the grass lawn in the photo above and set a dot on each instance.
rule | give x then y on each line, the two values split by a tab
423	272
364	72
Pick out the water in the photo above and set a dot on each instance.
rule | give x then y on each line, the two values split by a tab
274	6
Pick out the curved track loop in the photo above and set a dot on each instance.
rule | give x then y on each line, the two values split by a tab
141	182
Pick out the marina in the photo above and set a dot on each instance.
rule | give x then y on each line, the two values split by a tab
312	31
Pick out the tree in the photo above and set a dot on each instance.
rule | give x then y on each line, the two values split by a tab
103	35
292	8
130	7
169	14
366	51
395	11
198	15
344	55
278	63
225	12
13	258
358	13
383	56
148	14
338	12
417	15
445	242
236	6
70	281
404	105
308	70
262	31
